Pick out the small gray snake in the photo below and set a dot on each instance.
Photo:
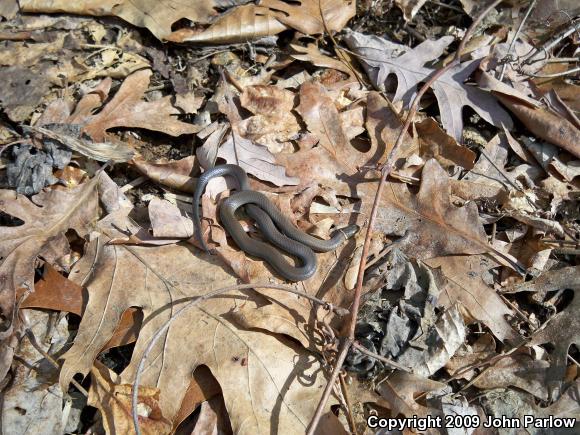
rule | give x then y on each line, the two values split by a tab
275	227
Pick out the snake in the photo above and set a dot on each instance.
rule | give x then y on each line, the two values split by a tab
275	227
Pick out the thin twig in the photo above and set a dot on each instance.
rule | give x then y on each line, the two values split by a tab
554	75
387	168
511	46
345	347
532	57
52	361
348	405
191	304
378	357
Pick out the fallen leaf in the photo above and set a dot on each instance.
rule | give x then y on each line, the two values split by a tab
241	360
8	9
546	125
33	401
547	156
322	117
212	418
253	158
482	350
409	7
519	370
313	17
127	110
441	342
273	123
562	329
381	58
462	284
42	235
202	387
311	53
21	90
55	292
157	17
435	227
114	401
400	389
435	143
240	24
169	221
176	174
383	125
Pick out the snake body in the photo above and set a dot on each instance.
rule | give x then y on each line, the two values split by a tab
276	228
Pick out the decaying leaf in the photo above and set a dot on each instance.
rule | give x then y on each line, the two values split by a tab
313	17
321	115
155	16
273	123
114	402
435	226
521	371
161	280
463	284
563	329
436	144
240	24
382	58
253	158
399	391
546	125
127	110
33	401
176	174
42	235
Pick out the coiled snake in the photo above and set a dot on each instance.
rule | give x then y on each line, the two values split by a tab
275	227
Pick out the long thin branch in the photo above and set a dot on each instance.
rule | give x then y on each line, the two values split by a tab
386	170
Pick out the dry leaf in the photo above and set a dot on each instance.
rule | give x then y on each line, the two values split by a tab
435	143
114	401
55	292
482	350
462	284
212	419
410	7
33	402
434	226
127	109
253	158
441	344
546	125
312	54
176	174
273	123
321	115
46	219
400	389
159	281
155	16
382	58
313	17
563	329
168	221
383	126
241	24
519	370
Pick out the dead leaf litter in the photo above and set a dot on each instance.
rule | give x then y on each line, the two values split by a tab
458	299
